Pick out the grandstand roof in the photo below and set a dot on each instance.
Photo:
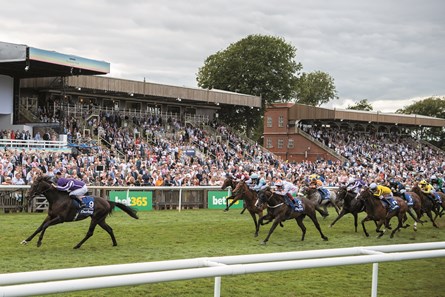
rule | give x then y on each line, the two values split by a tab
22	61
107	86
306	112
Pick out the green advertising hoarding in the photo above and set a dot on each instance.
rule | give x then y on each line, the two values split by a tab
140	200
217	200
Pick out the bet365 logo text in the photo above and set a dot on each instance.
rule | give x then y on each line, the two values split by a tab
218	200
139	200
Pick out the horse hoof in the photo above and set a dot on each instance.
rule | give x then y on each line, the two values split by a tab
325	238
263	243
24	242
76	247
39	244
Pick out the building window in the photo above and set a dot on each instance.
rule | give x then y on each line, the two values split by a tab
280	143
290	143
269	143
269	122
281	121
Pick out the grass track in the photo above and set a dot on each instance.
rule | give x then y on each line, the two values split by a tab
166	235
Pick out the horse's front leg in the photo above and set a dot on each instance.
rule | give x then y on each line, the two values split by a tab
363	225
272	228
53	221
340	215
39	229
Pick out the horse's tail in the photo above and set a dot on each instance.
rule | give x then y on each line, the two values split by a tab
130	211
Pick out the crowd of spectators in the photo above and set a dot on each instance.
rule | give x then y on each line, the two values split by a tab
165	152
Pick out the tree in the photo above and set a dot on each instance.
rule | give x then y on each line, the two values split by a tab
361	105
432	107
316	88
256	65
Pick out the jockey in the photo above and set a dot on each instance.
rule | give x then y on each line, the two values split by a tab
385	194
317	183
256	183
286	189
355	185
398	189
76	188
437	183
428	189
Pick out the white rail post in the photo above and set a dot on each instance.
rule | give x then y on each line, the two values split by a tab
375	279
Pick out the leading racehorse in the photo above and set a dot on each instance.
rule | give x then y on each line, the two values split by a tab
249	196
63	209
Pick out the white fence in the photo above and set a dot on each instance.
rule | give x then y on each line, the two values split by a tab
87	278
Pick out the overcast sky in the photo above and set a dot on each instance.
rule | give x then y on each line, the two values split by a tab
387	51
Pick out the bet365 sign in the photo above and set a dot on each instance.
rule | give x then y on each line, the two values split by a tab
136	199
217	200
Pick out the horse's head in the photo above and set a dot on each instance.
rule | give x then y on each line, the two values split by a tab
364	194
39	186
240	188
228	182
263	198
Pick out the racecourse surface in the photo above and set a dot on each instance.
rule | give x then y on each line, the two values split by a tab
167	235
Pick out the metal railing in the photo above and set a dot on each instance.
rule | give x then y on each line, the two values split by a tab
98	277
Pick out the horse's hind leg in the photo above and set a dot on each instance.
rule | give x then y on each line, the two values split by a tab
109	230
302	226
88	235
317	225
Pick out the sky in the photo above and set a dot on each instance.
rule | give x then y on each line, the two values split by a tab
390	52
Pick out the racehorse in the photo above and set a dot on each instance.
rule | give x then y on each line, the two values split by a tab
250	198
230	182
427	204
417	207
280	211
62	209
350	205
314	194
377	212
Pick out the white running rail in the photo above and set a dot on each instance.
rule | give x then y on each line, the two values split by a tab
98	277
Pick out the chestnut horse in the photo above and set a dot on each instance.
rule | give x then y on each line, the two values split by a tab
250	198
428	206
279	211
231	182
63	209
377	212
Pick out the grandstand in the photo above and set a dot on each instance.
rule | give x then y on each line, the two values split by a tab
116	132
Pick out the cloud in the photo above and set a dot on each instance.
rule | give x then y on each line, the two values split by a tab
383	51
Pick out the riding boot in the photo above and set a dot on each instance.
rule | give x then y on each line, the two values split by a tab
79	200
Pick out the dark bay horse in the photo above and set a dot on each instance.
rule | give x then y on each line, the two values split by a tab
427	205
250	198
280	211
314	194
63	209
350	205
377	212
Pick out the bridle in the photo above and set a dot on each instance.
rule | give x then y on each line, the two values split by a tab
266	201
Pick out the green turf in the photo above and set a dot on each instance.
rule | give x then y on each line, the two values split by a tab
167	235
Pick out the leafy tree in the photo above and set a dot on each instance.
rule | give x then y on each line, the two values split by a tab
432	107
316	88
258	65
361	105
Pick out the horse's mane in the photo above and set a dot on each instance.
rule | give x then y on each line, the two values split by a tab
44	178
